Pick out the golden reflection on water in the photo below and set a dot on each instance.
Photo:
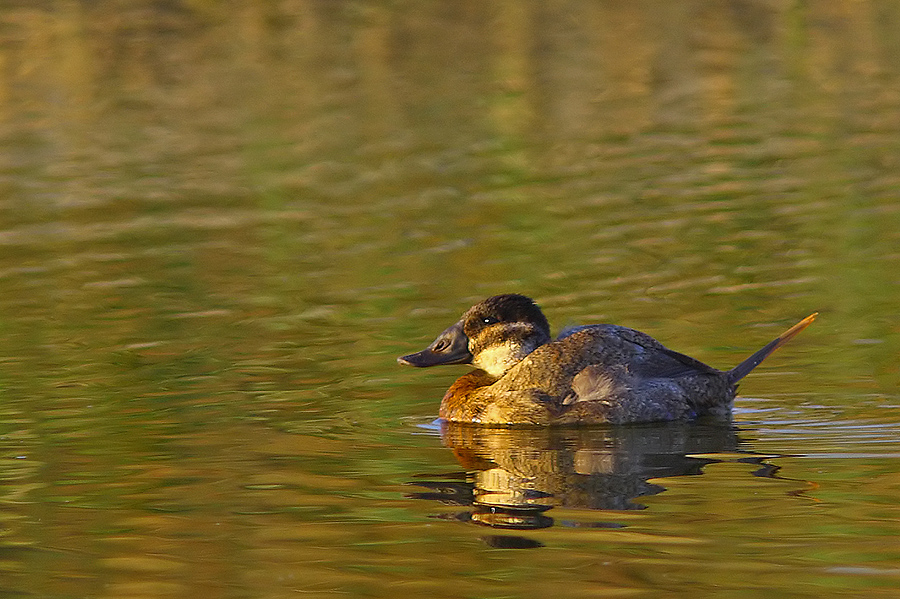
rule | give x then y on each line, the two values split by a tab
220	222
518	475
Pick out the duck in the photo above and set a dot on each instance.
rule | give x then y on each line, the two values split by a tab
593	374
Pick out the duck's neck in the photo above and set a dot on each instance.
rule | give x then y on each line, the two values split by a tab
461	403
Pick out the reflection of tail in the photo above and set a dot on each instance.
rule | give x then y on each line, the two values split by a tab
744	368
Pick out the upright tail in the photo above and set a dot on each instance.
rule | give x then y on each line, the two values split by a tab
744	368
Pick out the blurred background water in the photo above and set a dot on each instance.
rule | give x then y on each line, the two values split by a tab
220	222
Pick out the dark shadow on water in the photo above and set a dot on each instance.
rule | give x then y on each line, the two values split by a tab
513	478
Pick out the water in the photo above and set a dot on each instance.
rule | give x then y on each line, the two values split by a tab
220	224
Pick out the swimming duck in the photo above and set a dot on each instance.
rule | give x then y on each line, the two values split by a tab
588	375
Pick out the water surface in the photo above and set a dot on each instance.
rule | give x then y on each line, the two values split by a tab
220	224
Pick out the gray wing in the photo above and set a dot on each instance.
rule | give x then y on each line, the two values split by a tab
648	357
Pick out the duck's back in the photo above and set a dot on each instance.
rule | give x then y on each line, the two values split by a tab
593	374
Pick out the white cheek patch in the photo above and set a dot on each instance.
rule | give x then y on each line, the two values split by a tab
497	359
503	347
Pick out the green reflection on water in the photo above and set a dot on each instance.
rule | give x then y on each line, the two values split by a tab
220	223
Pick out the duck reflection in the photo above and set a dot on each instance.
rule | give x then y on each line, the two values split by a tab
515	476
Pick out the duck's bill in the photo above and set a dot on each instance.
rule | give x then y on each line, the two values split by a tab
450	347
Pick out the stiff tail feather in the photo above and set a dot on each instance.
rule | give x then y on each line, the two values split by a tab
744	368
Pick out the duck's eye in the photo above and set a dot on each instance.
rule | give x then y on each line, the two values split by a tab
489	320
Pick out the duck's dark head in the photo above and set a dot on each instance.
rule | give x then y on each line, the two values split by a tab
493	335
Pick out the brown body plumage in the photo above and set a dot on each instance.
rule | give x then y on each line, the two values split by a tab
592	374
